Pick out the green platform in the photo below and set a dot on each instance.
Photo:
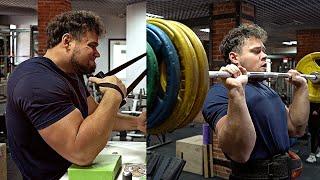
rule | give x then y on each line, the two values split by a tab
104	167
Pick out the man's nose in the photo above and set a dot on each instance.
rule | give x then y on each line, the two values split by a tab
97	54
264	56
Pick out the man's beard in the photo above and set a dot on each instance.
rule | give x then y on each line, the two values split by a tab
80	68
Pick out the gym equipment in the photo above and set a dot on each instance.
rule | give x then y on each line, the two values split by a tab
152	76
189	76
203	75
309	64
263	75
166	53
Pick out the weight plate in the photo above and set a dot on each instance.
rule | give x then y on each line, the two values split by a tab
152	77
203	73
308	65
165	51
189	76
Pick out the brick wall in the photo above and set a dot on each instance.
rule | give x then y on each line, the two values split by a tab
219	170
221	24
47	9
308	41
225	16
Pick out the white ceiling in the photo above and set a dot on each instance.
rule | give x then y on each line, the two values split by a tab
101	7
281	18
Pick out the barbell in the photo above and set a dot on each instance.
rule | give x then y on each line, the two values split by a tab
315	78
171	110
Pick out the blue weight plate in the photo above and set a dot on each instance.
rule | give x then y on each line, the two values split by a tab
166	52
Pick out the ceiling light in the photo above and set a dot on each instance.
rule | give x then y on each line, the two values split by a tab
153	15
289	43
205	30
12	26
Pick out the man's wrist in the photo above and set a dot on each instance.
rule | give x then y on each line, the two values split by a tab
113	86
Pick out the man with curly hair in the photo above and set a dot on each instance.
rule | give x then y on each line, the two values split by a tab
52	121
252	123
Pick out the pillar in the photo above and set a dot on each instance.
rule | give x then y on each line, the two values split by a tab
47	9
225	16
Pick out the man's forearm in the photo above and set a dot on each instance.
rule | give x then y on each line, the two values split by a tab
237	136
96	129
299	109
125	122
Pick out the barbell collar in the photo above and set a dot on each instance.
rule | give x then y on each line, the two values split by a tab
223	74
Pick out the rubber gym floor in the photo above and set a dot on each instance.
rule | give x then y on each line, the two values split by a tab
302	147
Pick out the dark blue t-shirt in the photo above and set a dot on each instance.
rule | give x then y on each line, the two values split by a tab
267	111
40	94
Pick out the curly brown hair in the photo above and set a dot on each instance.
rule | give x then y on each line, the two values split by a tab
234	40
74	22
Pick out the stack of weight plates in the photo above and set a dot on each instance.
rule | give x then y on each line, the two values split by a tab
177	75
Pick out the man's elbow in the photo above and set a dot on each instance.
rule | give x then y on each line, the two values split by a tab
82	161
240	157
81	158
297	133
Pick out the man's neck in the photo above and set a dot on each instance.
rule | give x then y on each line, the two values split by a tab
60	60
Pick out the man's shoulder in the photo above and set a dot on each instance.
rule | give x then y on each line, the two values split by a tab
34	69
218	88
31	65
34	74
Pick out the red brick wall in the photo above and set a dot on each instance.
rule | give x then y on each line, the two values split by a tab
248	9
231	10
220	27
308	41
47	9
219	170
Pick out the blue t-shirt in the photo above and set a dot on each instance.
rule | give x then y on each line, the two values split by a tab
40	94
267	111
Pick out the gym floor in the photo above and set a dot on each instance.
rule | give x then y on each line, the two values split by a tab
13	172
302	147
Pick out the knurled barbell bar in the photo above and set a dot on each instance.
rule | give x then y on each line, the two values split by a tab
314	77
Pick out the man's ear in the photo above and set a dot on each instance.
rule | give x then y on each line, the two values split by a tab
233	56
66	39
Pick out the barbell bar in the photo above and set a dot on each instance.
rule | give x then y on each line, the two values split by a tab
315	78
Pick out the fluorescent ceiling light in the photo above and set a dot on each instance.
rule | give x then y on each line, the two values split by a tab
289	43
153	15
205	30
12	26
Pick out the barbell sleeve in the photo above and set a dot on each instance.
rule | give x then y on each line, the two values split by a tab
223	74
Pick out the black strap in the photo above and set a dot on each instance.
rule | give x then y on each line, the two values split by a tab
109	85
120	68
136	81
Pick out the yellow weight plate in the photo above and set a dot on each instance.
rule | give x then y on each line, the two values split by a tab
308	65
203	72
189	76
163	76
